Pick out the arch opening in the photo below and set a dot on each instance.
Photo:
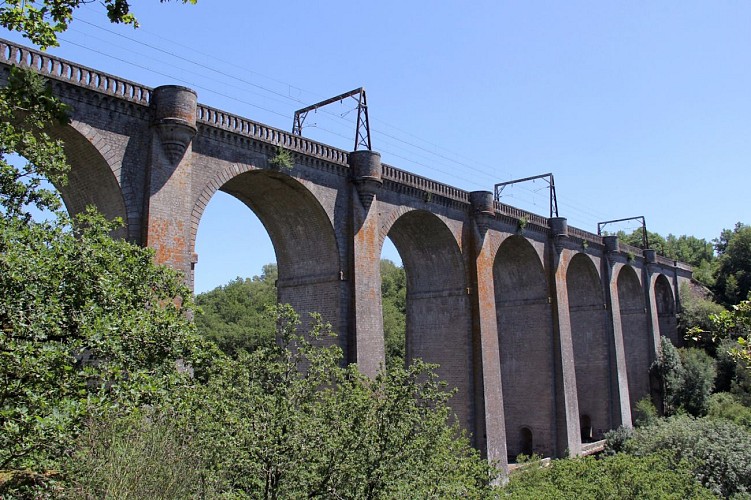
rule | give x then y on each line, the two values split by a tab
525	331
303	241
665	302
438	318
592	353
394	304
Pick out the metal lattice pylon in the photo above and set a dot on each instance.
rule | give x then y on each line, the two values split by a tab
362	131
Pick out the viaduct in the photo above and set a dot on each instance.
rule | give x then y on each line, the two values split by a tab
547	331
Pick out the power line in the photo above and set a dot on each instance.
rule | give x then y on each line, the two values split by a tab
435	157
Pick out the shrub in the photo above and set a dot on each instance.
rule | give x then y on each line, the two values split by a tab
719	451
619	476
698	381
727	406
138	456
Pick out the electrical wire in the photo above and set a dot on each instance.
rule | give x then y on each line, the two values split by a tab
436	158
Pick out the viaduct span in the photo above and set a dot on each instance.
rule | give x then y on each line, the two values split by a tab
546	330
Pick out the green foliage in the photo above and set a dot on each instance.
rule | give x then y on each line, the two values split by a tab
27	107
727	406
282	159
645	412
616	440
42	20
286	420
669	369
734	265
698	381
719	451
142	455
619	476
88	323
694	320
394	301
687	377
234	315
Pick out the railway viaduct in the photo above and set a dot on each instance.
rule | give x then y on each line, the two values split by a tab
547	331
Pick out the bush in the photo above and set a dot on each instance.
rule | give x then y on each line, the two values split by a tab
287	420
618	476
727	406
719	451
139	456
698	376
615	440
645	412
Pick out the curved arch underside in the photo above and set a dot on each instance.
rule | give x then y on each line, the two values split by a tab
525	331
635	333
666	317
91	181
592	358
304	242
439	325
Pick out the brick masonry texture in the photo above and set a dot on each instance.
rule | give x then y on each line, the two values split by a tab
547	340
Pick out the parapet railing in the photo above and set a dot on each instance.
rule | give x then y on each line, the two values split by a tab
584	235
423	183
249	128
61	69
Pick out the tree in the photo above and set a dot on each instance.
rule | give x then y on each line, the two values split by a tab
234	315
288	421
88	323
670	373
694	251
733	282
41	20
697	382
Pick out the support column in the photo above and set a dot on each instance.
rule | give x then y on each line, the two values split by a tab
491	425
368	349
653	324
167	207
654	318
623	409
568	426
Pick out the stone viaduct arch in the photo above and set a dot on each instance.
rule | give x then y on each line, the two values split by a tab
592	350
439	323
525	333
547	331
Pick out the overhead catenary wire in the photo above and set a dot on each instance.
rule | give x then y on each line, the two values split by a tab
439	159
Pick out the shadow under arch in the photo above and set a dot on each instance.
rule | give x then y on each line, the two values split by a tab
592	356
636	339
665	302
439	322
525	337
92	181
303	238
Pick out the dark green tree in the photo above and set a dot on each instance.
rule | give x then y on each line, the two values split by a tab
733	282
288	421
234	315
697	382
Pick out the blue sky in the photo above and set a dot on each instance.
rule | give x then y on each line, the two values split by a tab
637	108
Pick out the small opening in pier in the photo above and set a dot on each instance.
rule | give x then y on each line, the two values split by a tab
527	442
